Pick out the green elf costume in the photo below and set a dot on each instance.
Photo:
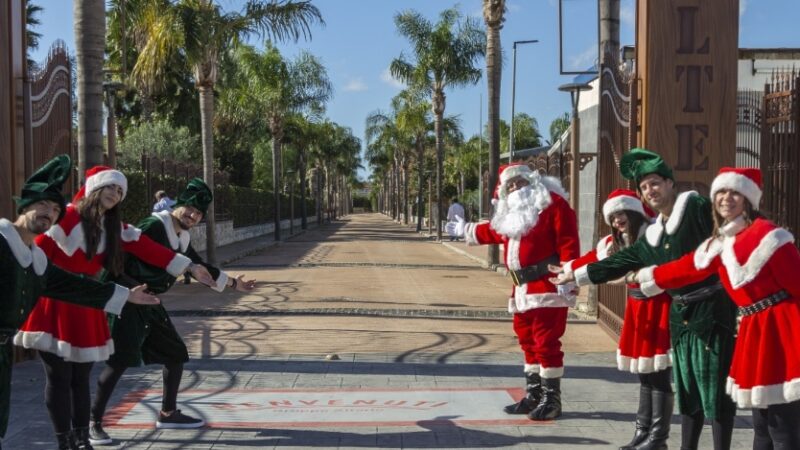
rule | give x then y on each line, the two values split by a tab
146	335
702	318
26	274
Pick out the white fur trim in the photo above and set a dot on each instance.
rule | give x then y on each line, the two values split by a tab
117	301
519	170
582	276
522	302
178	240
24	255
647	282
739	183
604	247
763	396
39	340
469	234
221	280
741	274
512	254
532	368
130	233
76	239
178	265
705	253
107	178
655	363
621	203
553	185
552	372
654	231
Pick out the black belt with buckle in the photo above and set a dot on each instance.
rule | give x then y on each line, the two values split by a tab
637	294
531	273
698	294
764	303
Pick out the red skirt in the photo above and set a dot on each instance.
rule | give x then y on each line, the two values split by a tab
644	344
766	360
75	333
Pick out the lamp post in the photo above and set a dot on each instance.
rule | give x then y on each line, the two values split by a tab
513	93
290	180
574	90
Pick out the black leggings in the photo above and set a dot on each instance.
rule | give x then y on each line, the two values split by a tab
110	376
692	427
66	393
658	381
777	427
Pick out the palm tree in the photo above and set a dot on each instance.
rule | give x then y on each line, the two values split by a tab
445	55
558	126
412	114
89	18
493	15
276	89
32	37
203	32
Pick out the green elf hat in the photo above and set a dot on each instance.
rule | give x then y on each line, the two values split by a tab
639	162
197	195
46	184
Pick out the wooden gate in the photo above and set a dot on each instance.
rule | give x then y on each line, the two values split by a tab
617	135
780	150
51	111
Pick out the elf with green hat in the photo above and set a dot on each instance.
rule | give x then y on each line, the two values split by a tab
26	274
702	318
146	335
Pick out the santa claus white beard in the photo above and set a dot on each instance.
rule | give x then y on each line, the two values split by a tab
516	215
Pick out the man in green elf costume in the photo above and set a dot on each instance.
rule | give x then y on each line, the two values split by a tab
702	318
26	274
146	335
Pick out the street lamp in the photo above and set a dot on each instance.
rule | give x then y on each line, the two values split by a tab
513	92
574	90
290	180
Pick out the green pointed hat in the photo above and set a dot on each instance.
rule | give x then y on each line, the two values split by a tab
639	162
46	184
197	194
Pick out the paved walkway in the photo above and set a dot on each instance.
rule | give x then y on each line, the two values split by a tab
361	334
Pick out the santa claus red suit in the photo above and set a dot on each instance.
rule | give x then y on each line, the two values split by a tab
757	263
537	227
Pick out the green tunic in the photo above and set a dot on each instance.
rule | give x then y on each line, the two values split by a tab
702	333
145	334
26	275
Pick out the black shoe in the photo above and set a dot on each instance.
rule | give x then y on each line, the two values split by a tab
82	438
549	406
66	441
178	420
662	414
98	436
644	417
533	393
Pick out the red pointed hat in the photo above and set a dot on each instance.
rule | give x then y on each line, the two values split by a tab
744	180
625	200
101	176
507	172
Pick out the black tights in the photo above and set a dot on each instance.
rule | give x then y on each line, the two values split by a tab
110	376
777	427
658	381
66	393
721	430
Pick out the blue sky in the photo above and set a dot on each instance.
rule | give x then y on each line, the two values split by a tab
360	40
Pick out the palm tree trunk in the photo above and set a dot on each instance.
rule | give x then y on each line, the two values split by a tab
303	211
89	17
277	135
405	194
438	110
207	120
421	179
494	22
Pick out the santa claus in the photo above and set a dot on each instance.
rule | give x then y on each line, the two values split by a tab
537	227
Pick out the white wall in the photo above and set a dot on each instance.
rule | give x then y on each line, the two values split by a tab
226	234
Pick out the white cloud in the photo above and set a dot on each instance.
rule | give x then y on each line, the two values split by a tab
386	77
742	7
583	60
355	85
627	13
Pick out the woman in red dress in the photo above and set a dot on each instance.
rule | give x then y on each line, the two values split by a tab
644	345
89	239
757	263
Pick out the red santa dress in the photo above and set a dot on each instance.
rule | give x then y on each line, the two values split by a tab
540	313
77	333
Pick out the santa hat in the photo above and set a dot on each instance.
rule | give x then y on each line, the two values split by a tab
624	200
507	172
744	180
101	176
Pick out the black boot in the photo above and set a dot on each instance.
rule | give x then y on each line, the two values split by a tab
82	438
662	415
533	389
549	406
644	417
66	441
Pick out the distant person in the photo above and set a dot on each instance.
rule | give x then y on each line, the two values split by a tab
163	202
456	210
